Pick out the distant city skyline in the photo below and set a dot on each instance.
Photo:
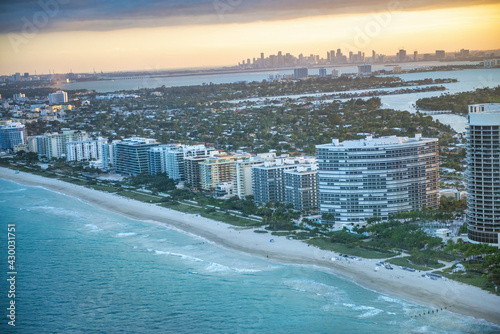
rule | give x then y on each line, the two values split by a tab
64	36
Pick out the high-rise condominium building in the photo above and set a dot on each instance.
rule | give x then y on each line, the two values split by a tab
301	187
169	159
300	73
268	179
242	176
108	154
376	177
483	173
131	155
53	145
20	97
85	150
58	97
12	134
218	168
192	170
322	72
364	69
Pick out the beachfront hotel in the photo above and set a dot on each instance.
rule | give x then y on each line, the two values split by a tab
131	155
375	177
483	173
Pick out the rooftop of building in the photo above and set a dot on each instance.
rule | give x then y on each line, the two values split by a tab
369	141
90	140
260	157
484	114
136	141
280	162
303	169
11	125
216	155
181	148
484	108
197	157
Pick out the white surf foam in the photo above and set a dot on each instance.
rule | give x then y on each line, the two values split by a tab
58	211
370	310
93	228
125	234
211	267
182	256
320	289
12	191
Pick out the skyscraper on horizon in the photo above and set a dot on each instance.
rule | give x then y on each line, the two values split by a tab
401	55
440	54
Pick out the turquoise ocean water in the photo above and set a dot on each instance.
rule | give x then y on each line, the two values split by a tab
81	269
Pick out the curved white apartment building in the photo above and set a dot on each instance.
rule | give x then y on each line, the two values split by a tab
374	177
483	173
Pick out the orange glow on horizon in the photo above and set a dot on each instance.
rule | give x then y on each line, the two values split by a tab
474	28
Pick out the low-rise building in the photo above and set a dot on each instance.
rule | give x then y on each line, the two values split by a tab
224	189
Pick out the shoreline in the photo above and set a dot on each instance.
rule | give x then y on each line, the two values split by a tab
435	294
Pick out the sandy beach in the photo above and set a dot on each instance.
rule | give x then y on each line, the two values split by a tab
436	294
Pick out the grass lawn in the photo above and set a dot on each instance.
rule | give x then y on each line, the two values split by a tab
73	180
304	235
102	187
137	197
282	233
404	261
344	249
229	219
470	278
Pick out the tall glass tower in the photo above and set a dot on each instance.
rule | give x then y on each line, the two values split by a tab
483	173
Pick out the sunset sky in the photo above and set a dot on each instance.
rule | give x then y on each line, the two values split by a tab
80	35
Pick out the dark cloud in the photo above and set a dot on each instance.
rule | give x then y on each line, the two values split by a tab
67	15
